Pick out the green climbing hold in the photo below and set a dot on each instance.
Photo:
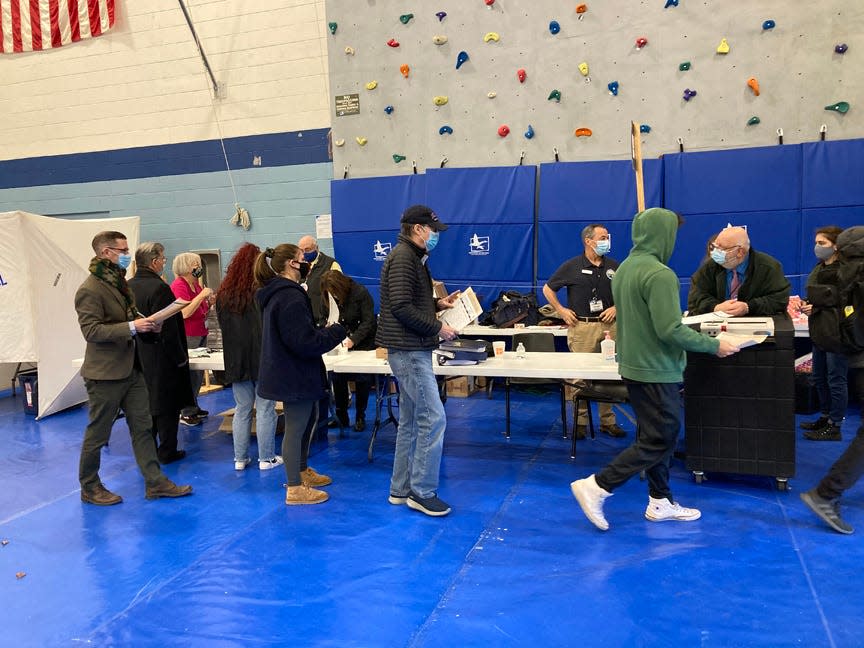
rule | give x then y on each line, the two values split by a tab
841	106
683	67
404	18
333	27
555	94
398	158
753	121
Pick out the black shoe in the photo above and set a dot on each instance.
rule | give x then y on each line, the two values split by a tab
167	488
830	432
100	496
613	431
191	420
359	424
202	413
177	455
429	505
828	510
818	424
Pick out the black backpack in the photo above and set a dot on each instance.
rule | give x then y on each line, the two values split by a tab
836	322
512	307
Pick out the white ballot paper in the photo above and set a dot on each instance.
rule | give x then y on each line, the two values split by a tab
333	315
171	309
465	310
741	340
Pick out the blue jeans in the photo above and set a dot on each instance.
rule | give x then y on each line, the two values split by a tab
422	421
829	378
265	422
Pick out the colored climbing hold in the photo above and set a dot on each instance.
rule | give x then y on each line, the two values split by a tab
361	141
581	9
404	18
349	51
583	68
689	94
753	84
530	132
768	24
641	42
445	129
723	47
555	94
371	85
441	15
683	67
461	58
841	106
388	110
491	94
393	42
613	88
520	74
398	158
503	129
439	40
670	3
841	48
405	70
339	142
644	128
440	100
753	121
491	36
333	27
583	132
489	3
554	27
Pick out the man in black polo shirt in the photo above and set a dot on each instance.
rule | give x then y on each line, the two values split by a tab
590	311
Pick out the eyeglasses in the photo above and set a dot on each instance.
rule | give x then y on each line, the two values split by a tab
120	250
713	247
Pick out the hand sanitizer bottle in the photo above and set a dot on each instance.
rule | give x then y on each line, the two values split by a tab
520	351
607	348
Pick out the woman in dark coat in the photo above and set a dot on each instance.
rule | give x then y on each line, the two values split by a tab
164	359
357	315
292	370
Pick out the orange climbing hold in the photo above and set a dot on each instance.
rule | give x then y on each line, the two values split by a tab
583	132
582	8
405	70
753	84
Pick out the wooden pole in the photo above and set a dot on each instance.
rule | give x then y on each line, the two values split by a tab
636	155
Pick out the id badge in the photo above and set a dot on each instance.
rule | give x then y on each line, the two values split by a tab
596	305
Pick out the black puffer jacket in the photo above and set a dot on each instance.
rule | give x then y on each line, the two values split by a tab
407	320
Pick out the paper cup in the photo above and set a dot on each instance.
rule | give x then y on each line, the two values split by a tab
498	347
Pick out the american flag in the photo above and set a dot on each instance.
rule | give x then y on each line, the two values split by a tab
33	25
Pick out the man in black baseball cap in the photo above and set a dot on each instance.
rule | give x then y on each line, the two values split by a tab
423	215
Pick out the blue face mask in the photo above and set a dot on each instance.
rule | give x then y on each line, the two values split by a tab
603	247
310	256
432	241
123	260
718	256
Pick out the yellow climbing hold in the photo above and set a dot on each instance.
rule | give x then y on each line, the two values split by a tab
583	68
349	51
440	100
439	39
491	36
723	47
339	142
371	85
491	94
361	141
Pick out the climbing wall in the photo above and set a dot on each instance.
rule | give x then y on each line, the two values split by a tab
492	82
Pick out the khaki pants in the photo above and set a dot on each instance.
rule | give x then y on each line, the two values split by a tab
585	337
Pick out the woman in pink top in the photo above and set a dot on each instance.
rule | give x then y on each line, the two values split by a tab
188	269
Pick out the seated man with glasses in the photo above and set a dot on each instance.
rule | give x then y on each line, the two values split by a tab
738	280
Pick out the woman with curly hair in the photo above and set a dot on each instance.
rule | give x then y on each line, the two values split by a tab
240	321
292	370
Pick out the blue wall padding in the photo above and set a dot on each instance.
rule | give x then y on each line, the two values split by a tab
558	241
738	180
500	195
485	252
361	254
595	192
373	204
833	174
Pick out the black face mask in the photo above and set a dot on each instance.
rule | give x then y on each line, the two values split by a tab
304	269
197	272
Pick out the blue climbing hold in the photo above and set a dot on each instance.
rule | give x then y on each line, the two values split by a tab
670	3
554	27
388	109
461	58
644	128
441	15
768	24
613	88
530	132
445	129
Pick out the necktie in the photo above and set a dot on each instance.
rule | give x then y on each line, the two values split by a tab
736	284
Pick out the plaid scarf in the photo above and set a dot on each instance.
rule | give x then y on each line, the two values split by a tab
115	276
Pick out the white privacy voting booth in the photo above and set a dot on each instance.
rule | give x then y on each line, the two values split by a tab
42	262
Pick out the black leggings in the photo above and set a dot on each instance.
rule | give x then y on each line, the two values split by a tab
301	418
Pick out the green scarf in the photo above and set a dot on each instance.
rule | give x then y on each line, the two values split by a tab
115	276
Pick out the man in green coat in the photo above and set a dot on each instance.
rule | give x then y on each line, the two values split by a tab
652	343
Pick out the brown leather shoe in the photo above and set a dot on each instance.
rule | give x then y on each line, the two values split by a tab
298	495
100	496
167	488
311	478
613	431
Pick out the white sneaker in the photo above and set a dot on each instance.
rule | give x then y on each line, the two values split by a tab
241	465
660	510
590	497
275	462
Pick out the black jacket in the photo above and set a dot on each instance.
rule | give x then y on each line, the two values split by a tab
164	358
313	283
241	342
407	320
357	315
291	345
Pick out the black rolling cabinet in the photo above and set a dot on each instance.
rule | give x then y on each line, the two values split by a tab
739	412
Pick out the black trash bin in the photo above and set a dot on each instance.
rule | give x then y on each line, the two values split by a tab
29	383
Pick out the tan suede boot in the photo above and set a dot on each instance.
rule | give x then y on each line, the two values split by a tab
304	495
312	478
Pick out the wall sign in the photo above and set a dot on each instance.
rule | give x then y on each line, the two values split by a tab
348	104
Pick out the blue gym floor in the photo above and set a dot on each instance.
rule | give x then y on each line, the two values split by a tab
514	564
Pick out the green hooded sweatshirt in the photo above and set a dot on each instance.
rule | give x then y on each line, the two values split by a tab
651	340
